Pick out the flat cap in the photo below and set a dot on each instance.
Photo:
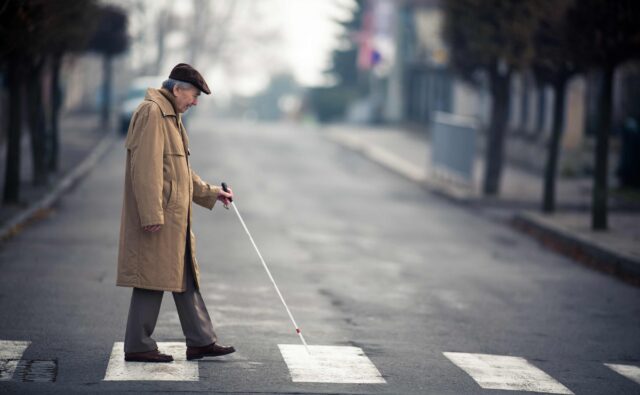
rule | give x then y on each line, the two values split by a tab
184	72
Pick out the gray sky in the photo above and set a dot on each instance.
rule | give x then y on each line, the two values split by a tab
307	34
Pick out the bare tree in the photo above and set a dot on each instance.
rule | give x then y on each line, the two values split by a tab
604	35
210	27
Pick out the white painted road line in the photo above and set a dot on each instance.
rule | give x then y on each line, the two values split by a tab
178	370
506	373
631	372
330	364
10	355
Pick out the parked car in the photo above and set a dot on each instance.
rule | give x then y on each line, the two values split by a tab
137	89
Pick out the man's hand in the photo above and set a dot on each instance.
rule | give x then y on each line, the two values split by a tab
152	228
225	197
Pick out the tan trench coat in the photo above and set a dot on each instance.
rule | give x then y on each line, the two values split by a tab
158	189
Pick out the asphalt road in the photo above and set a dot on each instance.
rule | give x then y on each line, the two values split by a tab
364	259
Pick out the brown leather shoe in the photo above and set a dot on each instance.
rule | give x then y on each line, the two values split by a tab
147	356
212	350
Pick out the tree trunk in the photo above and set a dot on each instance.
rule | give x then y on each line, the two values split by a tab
161	32
549	191
11	193
56	104
524	102
36	121
496	133
540	110
600	184
106	90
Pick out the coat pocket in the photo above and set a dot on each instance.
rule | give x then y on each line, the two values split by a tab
175	167
169	195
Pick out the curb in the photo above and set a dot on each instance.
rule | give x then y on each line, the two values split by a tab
39	209
578	248
381	156
404	168
560	240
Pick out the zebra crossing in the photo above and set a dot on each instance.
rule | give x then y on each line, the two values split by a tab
322	364
13	367
330	364
502	372
629	371
10	355
179	370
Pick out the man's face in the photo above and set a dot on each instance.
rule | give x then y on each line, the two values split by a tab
185	98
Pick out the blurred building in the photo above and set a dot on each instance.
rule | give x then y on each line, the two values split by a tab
404	59
410	80
82	81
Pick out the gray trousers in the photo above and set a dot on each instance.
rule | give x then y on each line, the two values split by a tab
145	307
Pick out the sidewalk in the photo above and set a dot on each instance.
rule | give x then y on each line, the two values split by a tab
82	141
568	231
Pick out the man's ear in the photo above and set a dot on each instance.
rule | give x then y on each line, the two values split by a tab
175	90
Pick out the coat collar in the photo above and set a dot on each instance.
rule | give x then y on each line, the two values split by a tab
156	96
159	97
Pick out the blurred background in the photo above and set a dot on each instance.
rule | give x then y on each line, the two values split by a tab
531	102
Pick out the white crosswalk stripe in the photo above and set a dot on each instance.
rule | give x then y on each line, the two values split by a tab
330	364
324	364
506	373
178	370
327	364
631	372
10	355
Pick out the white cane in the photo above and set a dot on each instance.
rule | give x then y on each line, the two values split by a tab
298	331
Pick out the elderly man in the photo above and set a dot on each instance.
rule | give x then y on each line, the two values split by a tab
157	246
